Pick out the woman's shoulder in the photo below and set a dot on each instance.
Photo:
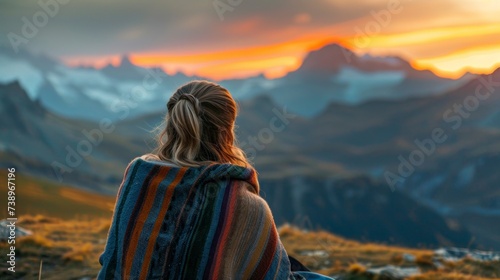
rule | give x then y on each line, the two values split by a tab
210	173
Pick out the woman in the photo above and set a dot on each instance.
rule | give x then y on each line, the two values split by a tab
191	209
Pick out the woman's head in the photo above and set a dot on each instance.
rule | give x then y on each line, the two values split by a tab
199	127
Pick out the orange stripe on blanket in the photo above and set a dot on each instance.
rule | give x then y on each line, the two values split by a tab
158	223
145	210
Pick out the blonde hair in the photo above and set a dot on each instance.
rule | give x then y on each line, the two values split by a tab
199	127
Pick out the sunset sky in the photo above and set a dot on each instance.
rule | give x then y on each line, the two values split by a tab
262	36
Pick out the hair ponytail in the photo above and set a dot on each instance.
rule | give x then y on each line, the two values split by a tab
200	127
185	121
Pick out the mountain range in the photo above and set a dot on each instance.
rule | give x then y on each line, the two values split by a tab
331	73
328	165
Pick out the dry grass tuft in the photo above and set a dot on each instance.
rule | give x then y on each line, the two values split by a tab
36	219
434	275
103	226
425	259
397	259
356	268
80	253
35	240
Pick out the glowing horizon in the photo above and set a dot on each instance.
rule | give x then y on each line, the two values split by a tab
245	63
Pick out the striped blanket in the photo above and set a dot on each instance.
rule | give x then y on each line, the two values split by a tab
203	222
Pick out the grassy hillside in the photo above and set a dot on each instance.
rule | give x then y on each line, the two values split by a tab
72	248
347	259
39	196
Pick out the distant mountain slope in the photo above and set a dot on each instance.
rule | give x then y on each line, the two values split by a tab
334	73
42	143
75	91
360	208
43	197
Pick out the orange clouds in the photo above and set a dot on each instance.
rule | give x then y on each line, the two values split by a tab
448	49
481	59
272	60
